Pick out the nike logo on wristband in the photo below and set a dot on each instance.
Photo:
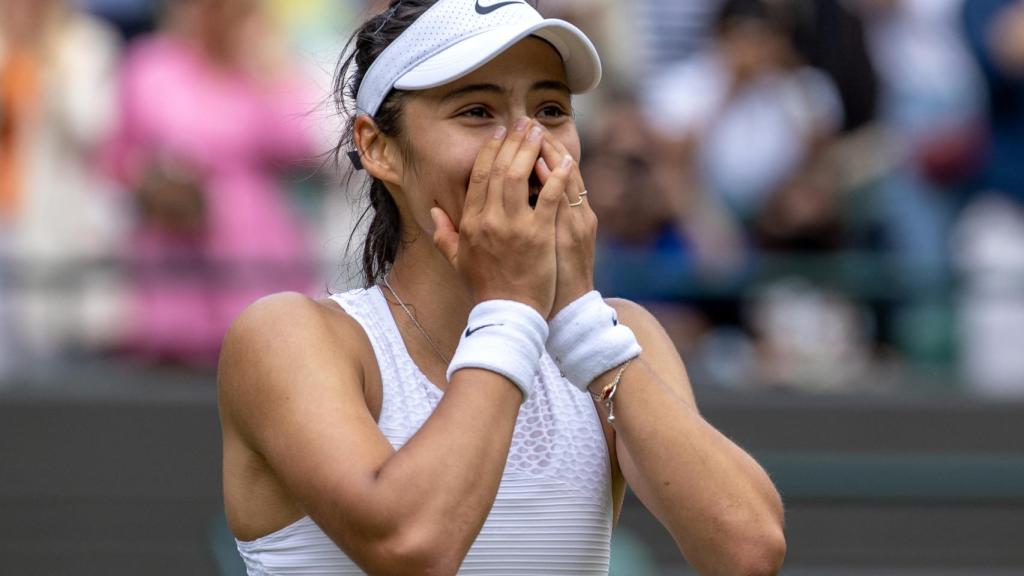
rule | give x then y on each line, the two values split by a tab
471	331
485	10
615	320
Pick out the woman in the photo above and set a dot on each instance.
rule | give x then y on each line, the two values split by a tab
210	123
421	426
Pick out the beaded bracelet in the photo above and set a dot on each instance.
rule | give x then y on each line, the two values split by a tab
607	395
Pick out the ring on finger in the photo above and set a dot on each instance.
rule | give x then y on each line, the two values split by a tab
578	200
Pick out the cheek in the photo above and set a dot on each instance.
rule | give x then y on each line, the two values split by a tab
571	140
443	170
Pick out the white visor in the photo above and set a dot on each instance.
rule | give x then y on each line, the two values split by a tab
455	37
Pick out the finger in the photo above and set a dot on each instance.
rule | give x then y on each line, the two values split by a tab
480	177
503	163
542	170
549	153
555	149
553	191
445	237
517	181
558	150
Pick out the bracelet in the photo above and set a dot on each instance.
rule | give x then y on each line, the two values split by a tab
505	337
607	395
586	340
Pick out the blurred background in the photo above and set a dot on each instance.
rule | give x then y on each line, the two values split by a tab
821	200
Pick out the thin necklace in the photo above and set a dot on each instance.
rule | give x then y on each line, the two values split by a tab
416	323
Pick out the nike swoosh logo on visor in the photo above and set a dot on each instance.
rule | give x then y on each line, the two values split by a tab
485	10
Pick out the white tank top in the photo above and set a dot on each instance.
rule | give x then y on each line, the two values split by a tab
553	512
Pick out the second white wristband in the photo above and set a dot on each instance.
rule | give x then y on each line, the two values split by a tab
586	340
505	337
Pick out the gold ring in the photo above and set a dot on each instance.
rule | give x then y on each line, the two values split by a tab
578	200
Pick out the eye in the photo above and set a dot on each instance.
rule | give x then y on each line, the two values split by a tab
552	111
476	112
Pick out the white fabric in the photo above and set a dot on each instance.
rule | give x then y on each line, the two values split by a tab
553	511
505	337
454	37
586	340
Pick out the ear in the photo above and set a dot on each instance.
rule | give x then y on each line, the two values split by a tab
378	153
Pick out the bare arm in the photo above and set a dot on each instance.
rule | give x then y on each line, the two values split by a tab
716	501
290	386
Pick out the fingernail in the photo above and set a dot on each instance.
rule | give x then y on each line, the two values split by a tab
567	161
522	123
535	134
500	132
542	164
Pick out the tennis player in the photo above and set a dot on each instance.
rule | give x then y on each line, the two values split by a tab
478	408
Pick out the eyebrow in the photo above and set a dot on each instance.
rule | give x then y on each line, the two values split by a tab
540	85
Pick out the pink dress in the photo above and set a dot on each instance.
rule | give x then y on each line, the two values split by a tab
239	134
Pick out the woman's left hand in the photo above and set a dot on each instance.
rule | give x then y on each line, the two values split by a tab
576	230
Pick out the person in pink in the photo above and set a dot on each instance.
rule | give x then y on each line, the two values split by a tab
209	123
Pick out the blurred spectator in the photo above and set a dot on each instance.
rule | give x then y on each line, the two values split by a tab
211	117
929	147
759	134
744	111
830	37
931	108
56	91
989	240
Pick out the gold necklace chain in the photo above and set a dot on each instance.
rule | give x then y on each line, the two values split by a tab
416	323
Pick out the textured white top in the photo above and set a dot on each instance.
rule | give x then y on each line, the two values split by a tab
553	512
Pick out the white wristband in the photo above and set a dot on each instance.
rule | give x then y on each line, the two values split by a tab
505	337
586	340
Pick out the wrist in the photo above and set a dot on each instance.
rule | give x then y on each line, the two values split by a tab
561	304
597	386
586	340
503	336
482	298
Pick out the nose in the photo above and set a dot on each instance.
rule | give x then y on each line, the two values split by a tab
517	119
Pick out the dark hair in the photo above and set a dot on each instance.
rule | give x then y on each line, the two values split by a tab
384	235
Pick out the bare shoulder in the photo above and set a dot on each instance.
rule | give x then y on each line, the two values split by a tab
659	352
288	344
282	321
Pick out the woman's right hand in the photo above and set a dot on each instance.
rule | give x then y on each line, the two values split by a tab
503	249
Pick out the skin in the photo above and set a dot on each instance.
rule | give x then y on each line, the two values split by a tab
300	390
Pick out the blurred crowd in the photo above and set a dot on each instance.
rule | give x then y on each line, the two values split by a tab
812	194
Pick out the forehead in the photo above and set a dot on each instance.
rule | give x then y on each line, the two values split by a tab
524	64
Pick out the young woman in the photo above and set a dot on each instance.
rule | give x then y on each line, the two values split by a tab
478	408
